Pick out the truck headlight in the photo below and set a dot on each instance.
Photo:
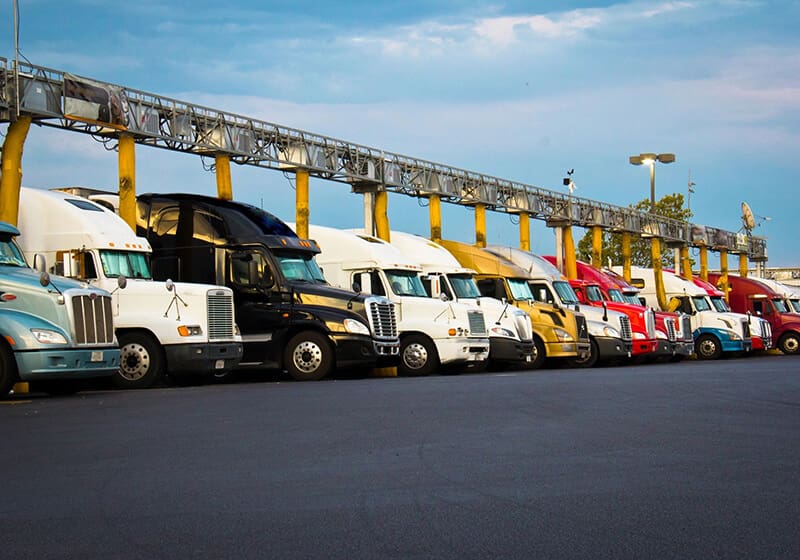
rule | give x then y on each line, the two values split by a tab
46	336
639	336
734	336
500	331
356	327
563	336
662	335
190	330
611	332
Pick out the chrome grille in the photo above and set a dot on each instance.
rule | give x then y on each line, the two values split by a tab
580	323
766	333
650	323
382	318
477	326
686	328
669	323
625	327
220	314
93	319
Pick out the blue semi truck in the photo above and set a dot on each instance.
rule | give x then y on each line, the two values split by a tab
53	330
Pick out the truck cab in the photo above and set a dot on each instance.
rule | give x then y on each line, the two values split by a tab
163	328
714	333
610	332
749	295
509	328
289	316
52	330
557	333
594	288
433	332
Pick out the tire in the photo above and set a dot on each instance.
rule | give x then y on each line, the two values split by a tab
418	356
707	347
539	354
308	356
588	361
8	371
141	362
789	343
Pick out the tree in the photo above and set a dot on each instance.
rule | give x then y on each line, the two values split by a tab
670	206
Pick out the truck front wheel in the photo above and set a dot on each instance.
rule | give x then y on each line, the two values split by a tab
418	356
707	347
590	360
141	362
8	371
308	356
790	343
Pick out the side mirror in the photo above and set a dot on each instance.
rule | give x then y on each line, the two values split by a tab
443	296
44	278
122	282
169	284
356	287
39	262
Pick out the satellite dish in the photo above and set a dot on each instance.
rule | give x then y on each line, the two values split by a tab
748	219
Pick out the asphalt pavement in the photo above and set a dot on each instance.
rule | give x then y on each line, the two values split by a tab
691	460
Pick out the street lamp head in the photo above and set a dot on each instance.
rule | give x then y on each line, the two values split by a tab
665	158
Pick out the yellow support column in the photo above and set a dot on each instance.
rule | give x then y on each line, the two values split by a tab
722	284
525	232
686	264
704	263
743	265
435	212
224	185
301	203
127	180
480	225
11	176
626	256
382	215
597	247
570	266
655	250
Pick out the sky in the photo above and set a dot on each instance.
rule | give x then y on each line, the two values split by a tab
521	90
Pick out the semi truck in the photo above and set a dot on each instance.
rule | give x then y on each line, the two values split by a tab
610	332
433	333
760	329
289	316
558	332
748	295
169	327
715	333
594	288
53	330
509	328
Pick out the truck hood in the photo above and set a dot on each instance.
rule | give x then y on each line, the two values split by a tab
155	288
29	277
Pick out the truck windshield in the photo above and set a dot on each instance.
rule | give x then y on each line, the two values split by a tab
593	293
780	305
300	267
519	289
565	292
463	286
405	283
129	263
719	304
795	304
632	299
701	303
615	295
10	254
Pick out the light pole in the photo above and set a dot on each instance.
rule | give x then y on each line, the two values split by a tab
651	159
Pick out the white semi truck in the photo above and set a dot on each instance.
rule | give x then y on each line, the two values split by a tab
162	327
609	331
509	328
432	332
714	332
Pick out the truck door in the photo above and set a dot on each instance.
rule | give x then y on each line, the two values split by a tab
258	305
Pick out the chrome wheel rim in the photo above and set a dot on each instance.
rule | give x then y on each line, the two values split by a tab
708	347
415	356
307	356
134	362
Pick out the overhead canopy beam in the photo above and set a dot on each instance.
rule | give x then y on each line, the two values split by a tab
175	125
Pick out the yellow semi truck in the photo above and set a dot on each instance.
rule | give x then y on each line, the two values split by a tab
558	332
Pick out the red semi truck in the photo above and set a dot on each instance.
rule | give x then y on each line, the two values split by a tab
749	295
